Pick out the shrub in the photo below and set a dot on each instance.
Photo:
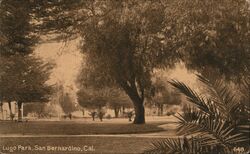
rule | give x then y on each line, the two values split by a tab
108	116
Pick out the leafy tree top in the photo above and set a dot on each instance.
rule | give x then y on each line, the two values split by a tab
92	98
23	78
123	44
16	31
164	94
67	103
211	36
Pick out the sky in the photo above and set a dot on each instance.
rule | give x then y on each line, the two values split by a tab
67	59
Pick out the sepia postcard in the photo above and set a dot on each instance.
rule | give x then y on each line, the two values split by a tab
124	77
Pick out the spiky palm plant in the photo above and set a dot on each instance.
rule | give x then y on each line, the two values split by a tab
216	122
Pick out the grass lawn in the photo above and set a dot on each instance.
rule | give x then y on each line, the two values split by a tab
74	128
75	144
113	145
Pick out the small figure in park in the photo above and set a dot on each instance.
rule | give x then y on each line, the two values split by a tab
130	115
101	115
93	114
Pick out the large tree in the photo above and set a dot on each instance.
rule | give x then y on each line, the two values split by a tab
124	46
14	33
92	98
22	76
16	28
24	80
67	103
212	37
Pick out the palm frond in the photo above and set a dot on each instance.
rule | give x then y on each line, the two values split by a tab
191	95
225	100
190	145
187	120
215	130
217	123
168	146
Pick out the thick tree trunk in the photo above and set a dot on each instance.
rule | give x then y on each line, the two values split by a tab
139	109
19	106
137	97
139	113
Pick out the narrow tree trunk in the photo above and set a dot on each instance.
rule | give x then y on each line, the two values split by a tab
1	104
9	104
123	110
10	109
82	112
19	105
116	110
70	116
161	108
